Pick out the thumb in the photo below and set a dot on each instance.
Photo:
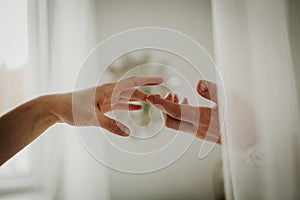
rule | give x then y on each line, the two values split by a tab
112	125
208	90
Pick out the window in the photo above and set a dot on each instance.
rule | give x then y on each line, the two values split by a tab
16	174
13	58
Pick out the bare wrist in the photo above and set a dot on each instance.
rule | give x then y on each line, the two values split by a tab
56	105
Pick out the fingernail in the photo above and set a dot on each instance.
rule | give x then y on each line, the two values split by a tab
125	131
204	87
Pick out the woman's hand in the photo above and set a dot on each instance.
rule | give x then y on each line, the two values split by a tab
88	107
201	121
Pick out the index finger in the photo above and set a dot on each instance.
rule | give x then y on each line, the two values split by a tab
139	81
134	94
182	112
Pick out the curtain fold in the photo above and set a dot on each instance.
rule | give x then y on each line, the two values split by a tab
262	115
73	33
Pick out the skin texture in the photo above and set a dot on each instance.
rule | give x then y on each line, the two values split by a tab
200	121
22	125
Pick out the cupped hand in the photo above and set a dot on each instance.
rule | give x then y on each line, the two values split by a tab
200	121
88	107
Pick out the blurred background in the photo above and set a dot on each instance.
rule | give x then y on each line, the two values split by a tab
256	46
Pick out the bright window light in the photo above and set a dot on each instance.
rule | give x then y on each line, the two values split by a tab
13	33
13	55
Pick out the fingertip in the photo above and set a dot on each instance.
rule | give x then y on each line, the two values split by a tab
185	101
207	90
176	99
168	97
167	94
202	86
138	107
124	134
123	131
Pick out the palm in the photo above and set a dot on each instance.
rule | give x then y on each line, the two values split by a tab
90	105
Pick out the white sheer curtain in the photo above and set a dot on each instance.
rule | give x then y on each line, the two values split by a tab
72	32
253	53
252	50
60	35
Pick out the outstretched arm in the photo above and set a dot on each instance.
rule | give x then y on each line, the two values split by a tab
25	123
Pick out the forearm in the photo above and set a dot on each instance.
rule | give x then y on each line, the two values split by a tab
23	124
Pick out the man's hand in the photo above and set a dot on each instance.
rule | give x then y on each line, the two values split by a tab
201	121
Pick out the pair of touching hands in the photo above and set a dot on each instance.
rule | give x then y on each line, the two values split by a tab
92	104
26	122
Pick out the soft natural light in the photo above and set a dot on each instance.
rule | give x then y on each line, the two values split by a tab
13	33
13	55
